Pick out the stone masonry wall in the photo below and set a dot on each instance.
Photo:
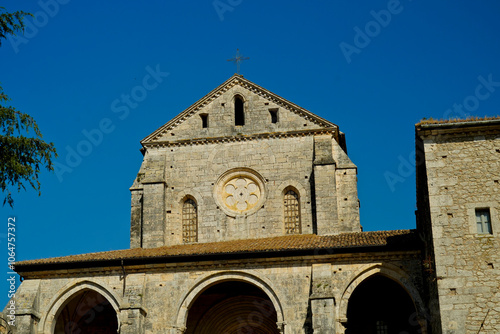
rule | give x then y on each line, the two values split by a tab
194	170
221	118
463	174
308	294
267	156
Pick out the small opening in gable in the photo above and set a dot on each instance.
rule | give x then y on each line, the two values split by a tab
239	115
204	120
274	115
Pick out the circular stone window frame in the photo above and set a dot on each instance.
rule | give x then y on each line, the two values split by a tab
235	173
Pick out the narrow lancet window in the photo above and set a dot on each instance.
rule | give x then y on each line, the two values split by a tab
204	120
292	212
239	114
189	221
274	115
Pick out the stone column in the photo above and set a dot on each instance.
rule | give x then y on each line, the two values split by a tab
132	320
322	300
323	316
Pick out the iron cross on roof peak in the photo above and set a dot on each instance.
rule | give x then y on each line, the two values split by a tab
238	59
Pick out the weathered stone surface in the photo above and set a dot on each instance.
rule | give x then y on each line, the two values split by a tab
463	173
184	160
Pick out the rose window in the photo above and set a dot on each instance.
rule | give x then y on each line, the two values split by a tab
240	192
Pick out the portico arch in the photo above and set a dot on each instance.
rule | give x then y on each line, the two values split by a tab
214	279
392	273
64	296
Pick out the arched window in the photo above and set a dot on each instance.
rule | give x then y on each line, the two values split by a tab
189	221
239	114
292	212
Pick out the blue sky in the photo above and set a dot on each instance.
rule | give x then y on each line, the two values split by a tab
375	68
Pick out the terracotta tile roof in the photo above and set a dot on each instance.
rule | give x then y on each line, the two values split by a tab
399	239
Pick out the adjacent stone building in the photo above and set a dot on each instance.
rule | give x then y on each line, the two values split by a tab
245	219
458	199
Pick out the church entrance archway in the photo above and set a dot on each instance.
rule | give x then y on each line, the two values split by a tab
232	307
379	305
87	312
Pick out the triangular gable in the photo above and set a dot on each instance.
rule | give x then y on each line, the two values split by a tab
237	80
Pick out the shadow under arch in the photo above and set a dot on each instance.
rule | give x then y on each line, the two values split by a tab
65	295
213	279
391	272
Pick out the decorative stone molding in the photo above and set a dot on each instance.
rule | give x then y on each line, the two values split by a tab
281	326
242	138
321	256
240	192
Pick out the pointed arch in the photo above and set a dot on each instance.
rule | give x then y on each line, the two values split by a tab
390	271
65	295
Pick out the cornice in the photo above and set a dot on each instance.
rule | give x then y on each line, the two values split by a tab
242	138
229	264
481	127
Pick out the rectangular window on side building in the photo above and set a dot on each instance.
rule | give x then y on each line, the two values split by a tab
483	221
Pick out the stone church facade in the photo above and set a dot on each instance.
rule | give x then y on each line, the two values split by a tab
245	219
